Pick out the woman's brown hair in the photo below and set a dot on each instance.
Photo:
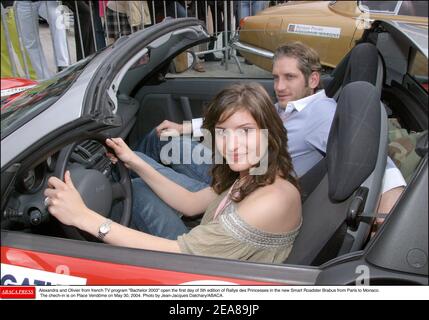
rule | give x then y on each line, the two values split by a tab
253	98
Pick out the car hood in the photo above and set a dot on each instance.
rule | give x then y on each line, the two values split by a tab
296	8
285	8
10	86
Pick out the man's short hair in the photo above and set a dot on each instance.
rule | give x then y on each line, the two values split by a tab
308	58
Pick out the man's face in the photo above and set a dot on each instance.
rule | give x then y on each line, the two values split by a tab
289	82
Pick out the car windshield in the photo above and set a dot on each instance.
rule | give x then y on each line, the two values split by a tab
403	8
380	6
33	101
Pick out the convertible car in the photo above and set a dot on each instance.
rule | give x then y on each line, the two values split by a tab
126	89
330	27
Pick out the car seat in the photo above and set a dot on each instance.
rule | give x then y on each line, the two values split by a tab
362	63
337	214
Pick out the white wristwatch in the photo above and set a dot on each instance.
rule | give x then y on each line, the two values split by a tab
104	229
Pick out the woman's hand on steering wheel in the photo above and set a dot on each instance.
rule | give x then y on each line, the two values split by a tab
122	151
64	201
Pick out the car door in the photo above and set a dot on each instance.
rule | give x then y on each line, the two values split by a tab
34	259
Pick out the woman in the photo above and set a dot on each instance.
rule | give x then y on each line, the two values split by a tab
253	207
126	17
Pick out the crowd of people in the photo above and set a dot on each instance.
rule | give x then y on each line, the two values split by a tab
99	23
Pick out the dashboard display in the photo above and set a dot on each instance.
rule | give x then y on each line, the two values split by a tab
29	180
32	179
50	163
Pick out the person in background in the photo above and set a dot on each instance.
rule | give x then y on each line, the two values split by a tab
125	17
27	14
216	21
250	8
6	4
161	10
82	17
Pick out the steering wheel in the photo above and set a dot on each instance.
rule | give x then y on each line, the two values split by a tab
96	190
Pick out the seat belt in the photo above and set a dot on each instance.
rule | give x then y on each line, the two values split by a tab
186	108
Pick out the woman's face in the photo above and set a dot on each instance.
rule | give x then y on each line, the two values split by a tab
240	141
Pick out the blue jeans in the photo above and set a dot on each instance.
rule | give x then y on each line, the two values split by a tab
250	8
151	146
152	215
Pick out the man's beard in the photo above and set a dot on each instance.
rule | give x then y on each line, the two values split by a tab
308	91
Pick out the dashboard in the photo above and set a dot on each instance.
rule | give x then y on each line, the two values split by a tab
32	180
25	208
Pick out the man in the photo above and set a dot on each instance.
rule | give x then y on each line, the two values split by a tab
306	113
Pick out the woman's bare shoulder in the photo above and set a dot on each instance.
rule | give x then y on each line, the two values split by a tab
273	208
281	192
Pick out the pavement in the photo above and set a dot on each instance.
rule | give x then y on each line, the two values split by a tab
219	70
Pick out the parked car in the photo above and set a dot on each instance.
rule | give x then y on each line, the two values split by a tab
12	87
330	27
125	90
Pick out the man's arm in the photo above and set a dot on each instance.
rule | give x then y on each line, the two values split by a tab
171	128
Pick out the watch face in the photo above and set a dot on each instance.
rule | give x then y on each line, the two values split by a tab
104	228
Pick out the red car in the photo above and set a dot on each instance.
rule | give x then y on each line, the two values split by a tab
13	87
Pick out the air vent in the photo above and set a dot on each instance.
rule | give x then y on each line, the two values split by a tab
87	152
91	146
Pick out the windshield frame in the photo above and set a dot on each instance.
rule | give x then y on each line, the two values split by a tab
30	110
393	12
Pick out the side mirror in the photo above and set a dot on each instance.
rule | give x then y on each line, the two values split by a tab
183	62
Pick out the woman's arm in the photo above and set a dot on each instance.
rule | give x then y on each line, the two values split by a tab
187	202
126	237
177	197
66	204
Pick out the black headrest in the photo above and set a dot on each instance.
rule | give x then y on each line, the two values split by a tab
353	141
363	64
360	64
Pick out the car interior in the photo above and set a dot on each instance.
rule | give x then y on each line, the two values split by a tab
346	203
